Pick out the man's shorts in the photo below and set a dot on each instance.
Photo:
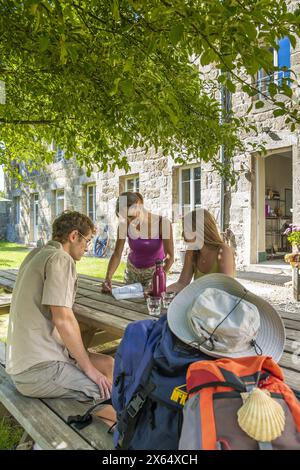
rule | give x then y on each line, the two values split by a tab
55	379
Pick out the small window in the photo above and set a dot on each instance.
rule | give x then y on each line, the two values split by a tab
91	202
190	189
132	184
284	59
17	215
59	152
60	201
281	59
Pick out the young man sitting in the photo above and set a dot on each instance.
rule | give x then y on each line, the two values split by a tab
45	353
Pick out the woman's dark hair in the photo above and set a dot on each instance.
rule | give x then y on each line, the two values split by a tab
131	199
69	221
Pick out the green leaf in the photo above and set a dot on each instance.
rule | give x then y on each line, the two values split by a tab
222	78
293	40
273	89
170	112
63	54
230	86
33	8
44	43
128	65
278	112
207	57
115	10
287	90
259	104
127	87
176	33
115	88
246	89
250	30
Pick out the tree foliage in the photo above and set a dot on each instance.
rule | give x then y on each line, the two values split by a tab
99	76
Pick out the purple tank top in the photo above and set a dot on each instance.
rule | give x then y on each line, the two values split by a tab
145	251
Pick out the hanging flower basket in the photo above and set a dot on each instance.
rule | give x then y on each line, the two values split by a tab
293	236
293	259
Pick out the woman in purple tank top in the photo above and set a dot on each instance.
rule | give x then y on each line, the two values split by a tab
149	237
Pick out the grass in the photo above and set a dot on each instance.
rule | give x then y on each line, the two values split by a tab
10	433
96	267
12	255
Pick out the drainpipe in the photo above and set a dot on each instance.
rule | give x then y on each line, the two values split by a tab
222	192
225	101
222	158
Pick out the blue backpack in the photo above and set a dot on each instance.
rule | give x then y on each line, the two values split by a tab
150	364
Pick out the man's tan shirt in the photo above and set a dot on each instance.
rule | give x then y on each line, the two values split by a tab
46	277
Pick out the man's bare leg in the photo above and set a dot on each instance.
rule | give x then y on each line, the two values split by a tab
105	365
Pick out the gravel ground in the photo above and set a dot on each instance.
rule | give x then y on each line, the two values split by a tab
280	297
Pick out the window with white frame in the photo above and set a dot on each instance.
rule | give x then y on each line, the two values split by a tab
132	183
189	188
282	60
91	201
60	201
17	205
36	209
59	152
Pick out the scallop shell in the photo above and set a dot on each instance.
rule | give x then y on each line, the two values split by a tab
261	417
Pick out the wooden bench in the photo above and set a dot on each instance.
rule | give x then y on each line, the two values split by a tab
5	300
45	420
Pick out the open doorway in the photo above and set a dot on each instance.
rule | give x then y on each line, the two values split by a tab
278	203
271	206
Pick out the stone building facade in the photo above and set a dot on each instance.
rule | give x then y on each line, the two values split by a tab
265	197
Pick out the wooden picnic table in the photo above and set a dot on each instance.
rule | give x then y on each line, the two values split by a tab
104	318
102	311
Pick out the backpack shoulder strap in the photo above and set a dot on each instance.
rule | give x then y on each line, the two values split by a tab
128	418
207	420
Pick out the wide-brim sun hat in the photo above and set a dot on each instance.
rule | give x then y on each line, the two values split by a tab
270	334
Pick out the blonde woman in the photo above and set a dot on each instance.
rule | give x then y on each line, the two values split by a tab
211	255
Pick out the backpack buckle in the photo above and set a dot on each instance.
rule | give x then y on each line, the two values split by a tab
135	405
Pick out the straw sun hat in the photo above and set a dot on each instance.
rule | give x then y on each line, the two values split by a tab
219	316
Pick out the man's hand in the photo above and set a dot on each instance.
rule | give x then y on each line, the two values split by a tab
106	287
102	382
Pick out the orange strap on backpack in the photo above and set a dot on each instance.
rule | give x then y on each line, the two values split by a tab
209	437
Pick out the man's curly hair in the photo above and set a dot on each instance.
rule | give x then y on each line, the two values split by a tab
69	221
